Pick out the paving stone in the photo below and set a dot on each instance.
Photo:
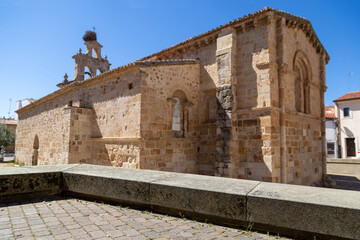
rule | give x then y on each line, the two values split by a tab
115	233
131	232
97	234
77	232
42	233
63	236
91	228
45	238
4	232
105	222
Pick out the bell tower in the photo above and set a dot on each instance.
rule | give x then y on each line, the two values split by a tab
87	59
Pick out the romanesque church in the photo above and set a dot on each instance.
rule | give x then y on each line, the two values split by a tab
244	100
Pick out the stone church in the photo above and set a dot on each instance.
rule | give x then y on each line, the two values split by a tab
244	100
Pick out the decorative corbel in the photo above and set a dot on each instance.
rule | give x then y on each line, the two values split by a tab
203	43
255	22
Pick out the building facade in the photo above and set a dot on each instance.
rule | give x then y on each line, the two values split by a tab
9	122
331	126
347	110
244	100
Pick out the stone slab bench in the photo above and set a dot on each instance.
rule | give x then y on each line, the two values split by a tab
297	211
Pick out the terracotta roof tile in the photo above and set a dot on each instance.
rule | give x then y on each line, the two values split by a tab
8	121
330	108
329	115
288	16
349	96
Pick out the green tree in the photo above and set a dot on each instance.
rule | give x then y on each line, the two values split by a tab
7	136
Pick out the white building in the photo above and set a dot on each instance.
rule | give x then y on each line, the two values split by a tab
331	132
347	110
22	103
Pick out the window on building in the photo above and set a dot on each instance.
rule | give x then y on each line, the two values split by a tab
346	112
176	115
180	114
330	148
302	83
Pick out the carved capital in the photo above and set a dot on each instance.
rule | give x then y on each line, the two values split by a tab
187	105
171	100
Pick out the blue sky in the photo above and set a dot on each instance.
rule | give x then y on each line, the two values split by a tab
38	38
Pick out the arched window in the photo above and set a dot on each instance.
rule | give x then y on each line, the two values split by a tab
179	114
87	72
302	83
176	115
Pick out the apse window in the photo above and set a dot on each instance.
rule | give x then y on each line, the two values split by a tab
346	112
130	86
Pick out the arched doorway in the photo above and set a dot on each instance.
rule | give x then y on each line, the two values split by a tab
35	151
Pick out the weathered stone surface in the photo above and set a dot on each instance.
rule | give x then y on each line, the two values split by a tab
216	197
127	185
243	101
16	183
309	209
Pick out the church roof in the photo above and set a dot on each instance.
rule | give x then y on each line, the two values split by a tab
75	84
349	96
291	20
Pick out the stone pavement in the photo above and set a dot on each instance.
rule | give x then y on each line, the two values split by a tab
60	217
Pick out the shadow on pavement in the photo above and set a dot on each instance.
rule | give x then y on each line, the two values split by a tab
346	182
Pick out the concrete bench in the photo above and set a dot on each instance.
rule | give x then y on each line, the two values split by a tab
297	211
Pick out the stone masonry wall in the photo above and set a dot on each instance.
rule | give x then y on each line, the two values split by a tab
108	109
116	121
51	124
254	135
257	138
116	152
80	144
303	134
116	105
206	53
163	149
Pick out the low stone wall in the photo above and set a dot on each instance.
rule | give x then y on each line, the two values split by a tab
343	166
297	211
28	182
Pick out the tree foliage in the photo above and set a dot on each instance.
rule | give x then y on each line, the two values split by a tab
7	136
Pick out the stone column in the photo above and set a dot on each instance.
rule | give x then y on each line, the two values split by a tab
322	107
283	73
225	60
187	106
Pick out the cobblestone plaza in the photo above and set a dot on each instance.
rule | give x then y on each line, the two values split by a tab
69	218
